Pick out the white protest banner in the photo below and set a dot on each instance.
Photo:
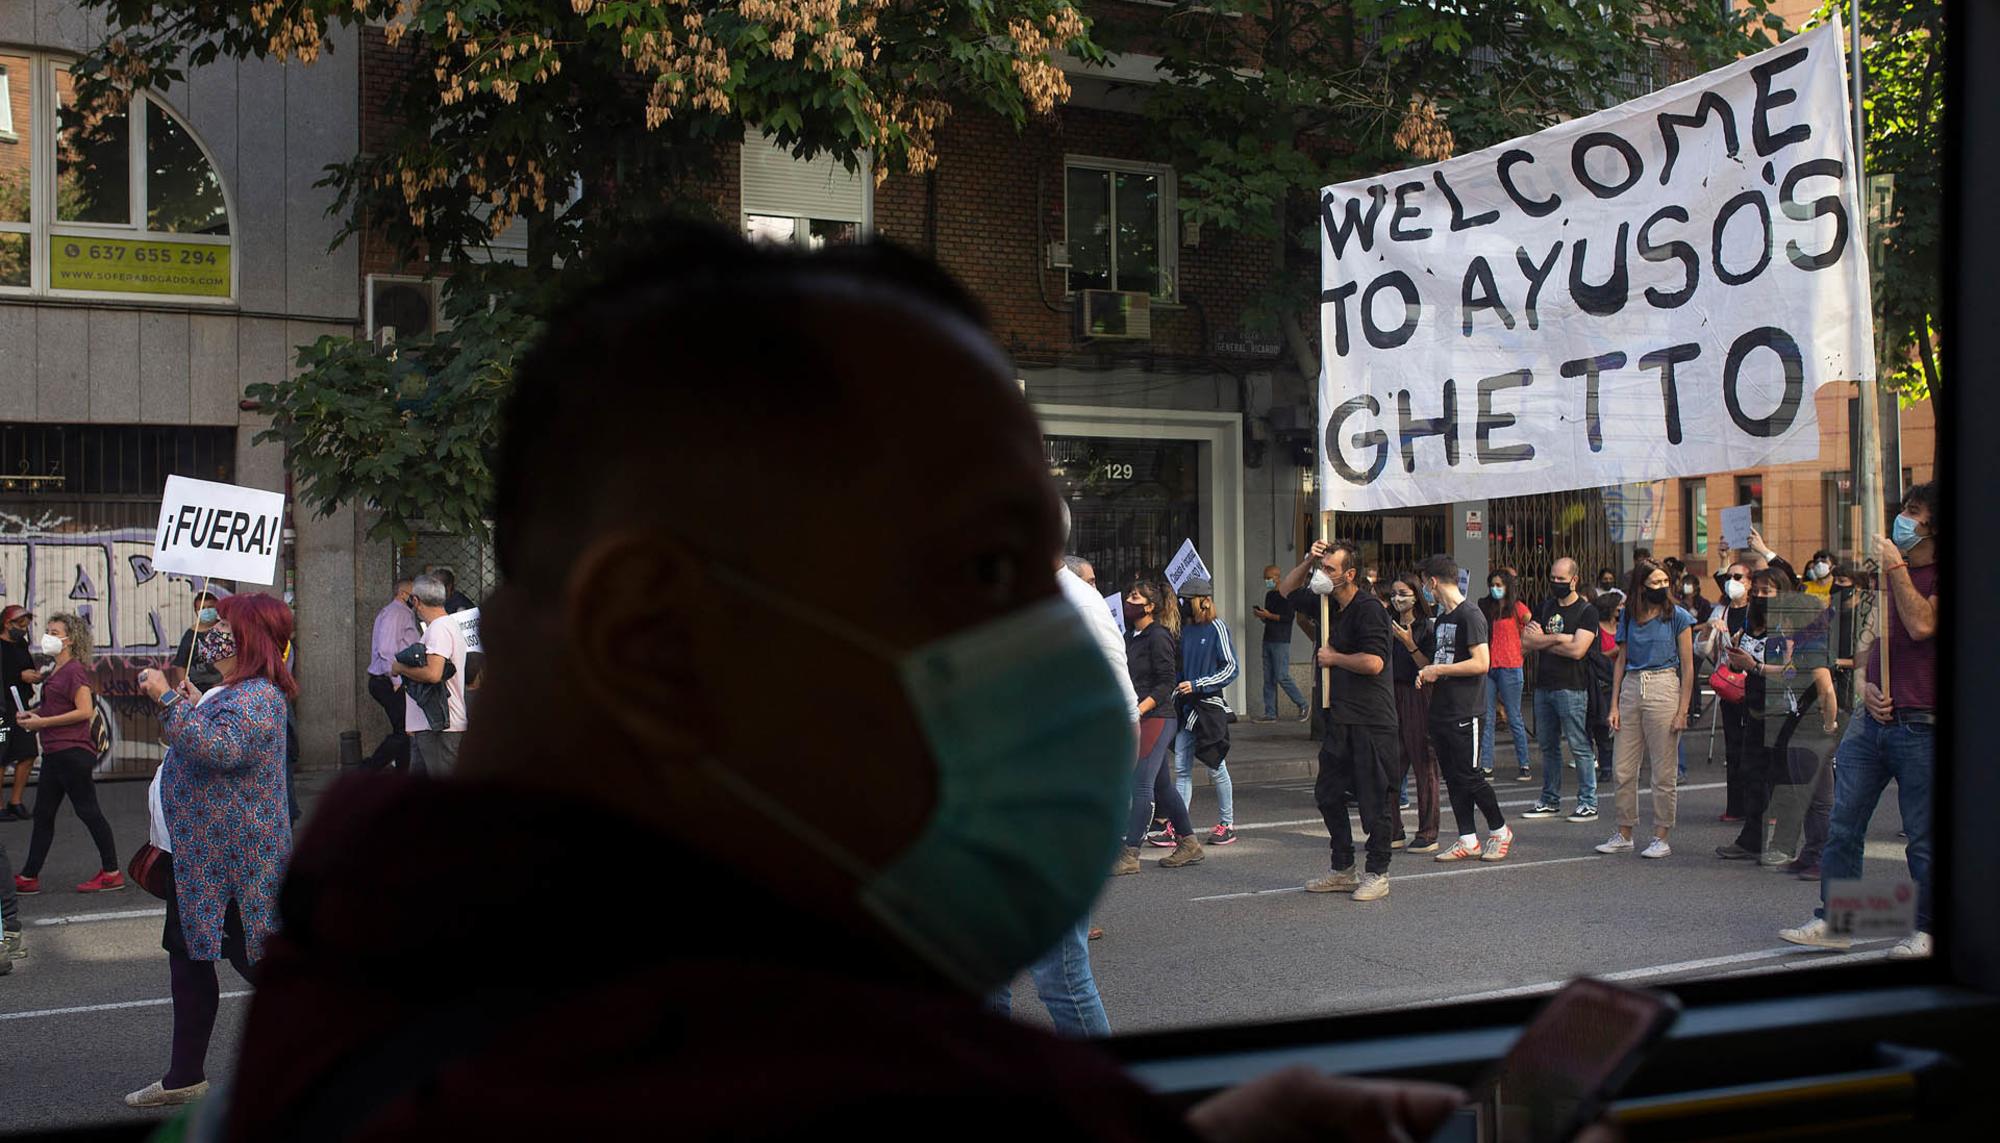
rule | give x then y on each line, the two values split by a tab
1652	291
1186	565
224	531
1736	526
468	627
1116	603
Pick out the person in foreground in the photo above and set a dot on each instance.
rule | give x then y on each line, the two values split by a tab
840	904
217	814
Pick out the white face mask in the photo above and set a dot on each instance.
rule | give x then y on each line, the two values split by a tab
1735	589
1819	570
1322	584
52	645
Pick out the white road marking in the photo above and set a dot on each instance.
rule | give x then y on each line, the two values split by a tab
123	1004
1480	867
1503	805
1794	956
86	918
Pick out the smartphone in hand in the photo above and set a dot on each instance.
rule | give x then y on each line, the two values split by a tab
1568	1065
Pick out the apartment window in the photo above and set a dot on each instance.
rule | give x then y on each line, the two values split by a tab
1750	490
1694	517
6	107
1118	226
106	203
811	203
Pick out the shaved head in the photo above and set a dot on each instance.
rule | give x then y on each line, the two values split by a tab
1564	567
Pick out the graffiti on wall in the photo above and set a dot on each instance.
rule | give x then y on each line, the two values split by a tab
49	563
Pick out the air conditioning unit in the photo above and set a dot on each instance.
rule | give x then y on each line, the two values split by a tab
1114	315
407	305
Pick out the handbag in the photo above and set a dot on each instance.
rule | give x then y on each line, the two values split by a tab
1728	683
148	869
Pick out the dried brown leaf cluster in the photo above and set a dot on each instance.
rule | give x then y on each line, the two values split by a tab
1424	134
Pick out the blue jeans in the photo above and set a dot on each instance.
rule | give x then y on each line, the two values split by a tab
1505	688
1067	988
1563	715
1184	764
1869	756
1278	673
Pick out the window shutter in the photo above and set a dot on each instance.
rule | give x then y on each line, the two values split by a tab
776	183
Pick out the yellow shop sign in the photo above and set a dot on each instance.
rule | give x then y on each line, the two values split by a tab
138	266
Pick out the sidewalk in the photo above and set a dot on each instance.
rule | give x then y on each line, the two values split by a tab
1287	749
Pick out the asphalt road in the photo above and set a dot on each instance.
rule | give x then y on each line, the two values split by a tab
85	1018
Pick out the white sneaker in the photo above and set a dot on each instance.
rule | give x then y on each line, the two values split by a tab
1619	843
157	1094
1374	886
1338	881
1814	934
1659	848
1915	945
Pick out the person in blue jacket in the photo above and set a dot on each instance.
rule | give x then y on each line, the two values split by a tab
1208	664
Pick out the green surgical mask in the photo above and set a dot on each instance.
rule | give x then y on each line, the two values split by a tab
1031	736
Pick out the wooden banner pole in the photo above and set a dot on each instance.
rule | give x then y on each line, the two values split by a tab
1325	622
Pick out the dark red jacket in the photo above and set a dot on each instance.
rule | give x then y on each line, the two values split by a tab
462	961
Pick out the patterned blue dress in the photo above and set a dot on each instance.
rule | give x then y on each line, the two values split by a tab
222	787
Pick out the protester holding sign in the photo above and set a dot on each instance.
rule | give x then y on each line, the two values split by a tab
1152	658
1360	747
219	815
434	734
69	756
1725	623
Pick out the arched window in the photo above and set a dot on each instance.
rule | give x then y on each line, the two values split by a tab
104	204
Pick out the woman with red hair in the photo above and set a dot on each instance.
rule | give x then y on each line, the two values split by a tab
218	808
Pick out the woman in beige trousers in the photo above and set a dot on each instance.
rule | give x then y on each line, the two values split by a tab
1652	681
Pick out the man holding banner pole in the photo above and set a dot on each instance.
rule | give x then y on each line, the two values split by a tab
1360	746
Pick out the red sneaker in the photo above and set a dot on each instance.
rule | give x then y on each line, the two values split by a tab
27	886
1223	835
104	882
1164	839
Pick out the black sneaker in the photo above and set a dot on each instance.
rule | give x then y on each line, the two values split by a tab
20	812
1523	776
1543	810
1584	814
1734	852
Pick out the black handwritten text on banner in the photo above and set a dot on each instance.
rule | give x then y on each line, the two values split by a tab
1652	291
222	530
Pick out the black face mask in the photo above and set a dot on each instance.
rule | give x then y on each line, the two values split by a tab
1656	595
1561	586
1134	612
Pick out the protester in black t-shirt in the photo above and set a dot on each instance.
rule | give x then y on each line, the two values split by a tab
1277	616
1456	680
1725	625
18	678
1562	633
1360	746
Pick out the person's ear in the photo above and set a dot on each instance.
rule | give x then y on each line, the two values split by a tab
632	610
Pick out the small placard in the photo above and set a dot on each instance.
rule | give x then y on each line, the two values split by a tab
1872	908
1475	524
